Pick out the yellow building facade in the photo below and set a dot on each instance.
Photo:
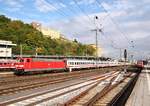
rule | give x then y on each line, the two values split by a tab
50	33
47	31
99	50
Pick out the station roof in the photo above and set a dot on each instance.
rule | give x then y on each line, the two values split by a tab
7	43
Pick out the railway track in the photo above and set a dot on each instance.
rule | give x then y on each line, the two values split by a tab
55	96
22	85
115	92
14	78
89	98
85	92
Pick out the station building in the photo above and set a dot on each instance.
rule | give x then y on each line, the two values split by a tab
6	49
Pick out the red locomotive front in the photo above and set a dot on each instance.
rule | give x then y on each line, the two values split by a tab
37	64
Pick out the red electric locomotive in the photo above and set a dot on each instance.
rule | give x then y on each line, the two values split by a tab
25	65
140	63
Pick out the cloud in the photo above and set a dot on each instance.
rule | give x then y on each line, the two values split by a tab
45	6
85	2
131	24
62	5
71	3
13	5
131	17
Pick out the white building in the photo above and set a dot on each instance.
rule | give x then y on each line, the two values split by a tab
6	48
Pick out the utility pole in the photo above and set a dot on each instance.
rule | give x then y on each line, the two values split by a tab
96	41
96	30
132	55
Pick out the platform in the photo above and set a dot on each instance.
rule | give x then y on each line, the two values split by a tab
140	95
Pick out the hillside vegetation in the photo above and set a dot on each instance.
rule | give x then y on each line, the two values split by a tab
33	41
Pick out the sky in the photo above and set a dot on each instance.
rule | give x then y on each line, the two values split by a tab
125	24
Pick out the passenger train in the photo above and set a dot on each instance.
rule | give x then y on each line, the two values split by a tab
7	64
25	65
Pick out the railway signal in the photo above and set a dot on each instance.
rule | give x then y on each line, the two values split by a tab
125	58
125	54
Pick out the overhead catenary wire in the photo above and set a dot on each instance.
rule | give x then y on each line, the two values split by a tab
64	14
85	14
58	11
76	3
82	10
72	11
112	44
61	12
115	23
98	24
111	41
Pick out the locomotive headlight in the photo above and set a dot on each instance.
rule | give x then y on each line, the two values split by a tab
20	65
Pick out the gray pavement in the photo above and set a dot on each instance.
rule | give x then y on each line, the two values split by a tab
140	95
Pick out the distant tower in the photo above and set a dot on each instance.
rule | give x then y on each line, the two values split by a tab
37	25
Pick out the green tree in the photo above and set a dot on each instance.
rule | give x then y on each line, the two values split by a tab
31	39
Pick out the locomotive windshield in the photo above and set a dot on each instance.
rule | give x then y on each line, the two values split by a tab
20	60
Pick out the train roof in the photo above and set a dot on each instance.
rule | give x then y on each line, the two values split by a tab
62	57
